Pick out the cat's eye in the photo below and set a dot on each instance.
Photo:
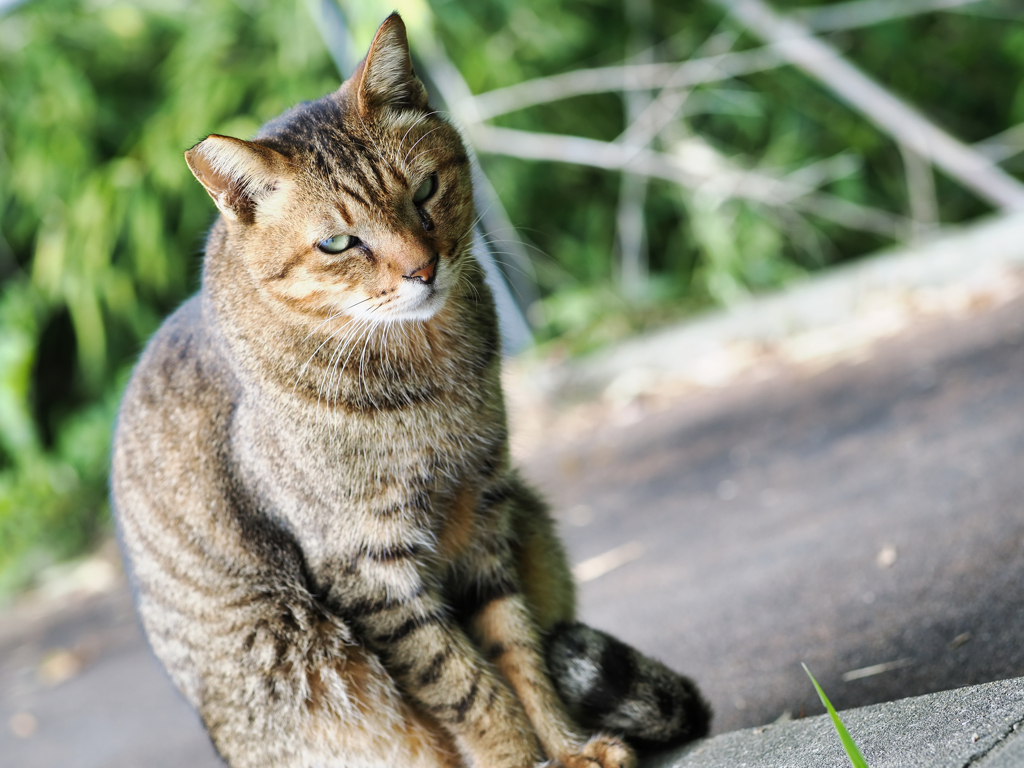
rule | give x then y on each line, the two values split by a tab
425	190
337	244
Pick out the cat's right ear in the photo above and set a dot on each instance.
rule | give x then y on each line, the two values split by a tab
237	174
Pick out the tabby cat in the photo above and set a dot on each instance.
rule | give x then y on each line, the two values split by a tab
329	550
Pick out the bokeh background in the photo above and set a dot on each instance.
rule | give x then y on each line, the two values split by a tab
770	174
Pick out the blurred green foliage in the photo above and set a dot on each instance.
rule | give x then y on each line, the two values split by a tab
101	223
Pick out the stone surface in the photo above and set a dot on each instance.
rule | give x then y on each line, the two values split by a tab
1008	754
952	729
826	315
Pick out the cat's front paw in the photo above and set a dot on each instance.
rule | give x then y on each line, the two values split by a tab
602	752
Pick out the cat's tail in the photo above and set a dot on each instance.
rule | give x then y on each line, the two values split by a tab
609	686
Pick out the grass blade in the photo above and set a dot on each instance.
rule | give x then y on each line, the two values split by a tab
844	736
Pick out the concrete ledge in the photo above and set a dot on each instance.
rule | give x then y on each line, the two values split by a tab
827	316
981	726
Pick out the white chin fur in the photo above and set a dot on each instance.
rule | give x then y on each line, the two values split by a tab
422	310
414	302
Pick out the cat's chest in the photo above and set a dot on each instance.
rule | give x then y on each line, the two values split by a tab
373	482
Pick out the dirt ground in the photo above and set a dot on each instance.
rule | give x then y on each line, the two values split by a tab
866	519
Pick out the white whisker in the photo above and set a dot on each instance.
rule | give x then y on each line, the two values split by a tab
404	137
405	163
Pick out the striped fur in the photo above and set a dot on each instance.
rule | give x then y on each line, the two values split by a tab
330	551
607	685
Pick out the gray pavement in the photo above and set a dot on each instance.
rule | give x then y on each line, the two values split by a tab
865	519
117	710
869	515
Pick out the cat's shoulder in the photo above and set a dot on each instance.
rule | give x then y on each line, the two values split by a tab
182	367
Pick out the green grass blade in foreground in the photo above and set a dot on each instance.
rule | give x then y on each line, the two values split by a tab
844	736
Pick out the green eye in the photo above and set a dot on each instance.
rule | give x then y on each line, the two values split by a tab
425	190
337	244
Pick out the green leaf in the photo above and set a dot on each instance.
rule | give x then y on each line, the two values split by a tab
844	736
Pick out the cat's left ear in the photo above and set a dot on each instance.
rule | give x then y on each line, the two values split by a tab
385	76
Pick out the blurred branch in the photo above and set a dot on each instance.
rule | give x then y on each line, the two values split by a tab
647	119
9	5
924	206
335	33
849	15
865	13
1003	145
822	172
1011	10
630	234
659	112
706	173
604	79
794	42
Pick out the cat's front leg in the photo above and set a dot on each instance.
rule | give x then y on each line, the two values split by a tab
506	631
441	670
495	609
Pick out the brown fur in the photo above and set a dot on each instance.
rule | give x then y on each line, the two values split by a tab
330	552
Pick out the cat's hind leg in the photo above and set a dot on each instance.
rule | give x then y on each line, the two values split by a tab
380	729
296	691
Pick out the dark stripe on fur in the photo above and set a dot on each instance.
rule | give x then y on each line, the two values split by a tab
464	704
472	599
391	554
496	494
288	266
342	208
377	174
355	195
460	708
409	626
362	609
433	671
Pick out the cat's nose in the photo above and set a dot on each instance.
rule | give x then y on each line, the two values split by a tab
426	273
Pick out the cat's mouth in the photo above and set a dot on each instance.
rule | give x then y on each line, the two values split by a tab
415	300
420	307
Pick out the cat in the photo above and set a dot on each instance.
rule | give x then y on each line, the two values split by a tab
329	549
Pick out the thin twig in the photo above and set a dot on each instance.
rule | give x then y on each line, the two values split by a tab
618	78
851	15
630	233
662	110
708	178
825	171
905	124
865	13
1003	145
924	205
987	11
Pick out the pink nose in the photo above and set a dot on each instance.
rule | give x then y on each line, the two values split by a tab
425	273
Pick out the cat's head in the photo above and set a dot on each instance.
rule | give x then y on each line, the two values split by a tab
358	204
